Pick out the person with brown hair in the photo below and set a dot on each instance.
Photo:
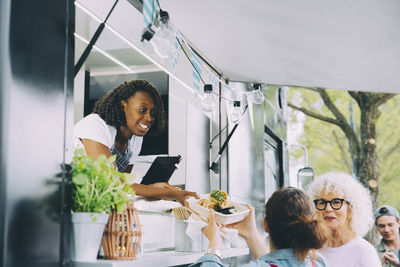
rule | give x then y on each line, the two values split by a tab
387	221
293	228
117	125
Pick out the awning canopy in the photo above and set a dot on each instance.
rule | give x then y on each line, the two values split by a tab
352	45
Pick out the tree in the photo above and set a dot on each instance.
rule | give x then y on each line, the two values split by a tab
388	129
362	158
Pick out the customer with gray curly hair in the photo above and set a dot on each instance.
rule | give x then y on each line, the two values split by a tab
345	206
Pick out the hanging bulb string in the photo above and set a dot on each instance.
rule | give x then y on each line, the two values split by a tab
226	99
194	67
212	140
159	6
201	78
190	60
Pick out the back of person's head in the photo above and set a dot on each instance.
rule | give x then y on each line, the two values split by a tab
292	222
349	188
110	109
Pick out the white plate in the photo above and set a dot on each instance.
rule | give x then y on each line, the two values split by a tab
219	217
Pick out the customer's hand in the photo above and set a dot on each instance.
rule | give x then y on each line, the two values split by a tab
211	232
248	230
247	227
391	258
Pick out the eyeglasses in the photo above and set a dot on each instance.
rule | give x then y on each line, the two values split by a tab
335	203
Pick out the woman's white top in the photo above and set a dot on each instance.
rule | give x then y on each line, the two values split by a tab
356	253
95	128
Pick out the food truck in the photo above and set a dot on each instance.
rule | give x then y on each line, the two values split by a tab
228	127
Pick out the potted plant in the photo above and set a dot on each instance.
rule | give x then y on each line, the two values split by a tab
97	188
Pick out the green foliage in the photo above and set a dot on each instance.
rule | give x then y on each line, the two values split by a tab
97	186
328	146
329	142
389	153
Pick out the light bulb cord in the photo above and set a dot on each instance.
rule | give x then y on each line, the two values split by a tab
212	140
220	96
180	44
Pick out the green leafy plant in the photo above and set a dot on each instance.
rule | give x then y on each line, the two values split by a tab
96	186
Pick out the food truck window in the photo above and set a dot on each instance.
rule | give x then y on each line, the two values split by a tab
273	163
99	85
119	55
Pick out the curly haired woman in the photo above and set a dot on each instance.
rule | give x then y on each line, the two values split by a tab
117	125
344	206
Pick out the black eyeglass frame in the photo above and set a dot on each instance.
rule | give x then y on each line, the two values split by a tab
342	200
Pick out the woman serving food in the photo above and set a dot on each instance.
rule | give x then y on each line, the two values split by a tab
117	125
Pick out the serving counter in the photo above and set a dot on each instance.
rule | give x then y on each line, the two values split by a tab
164	241
161	259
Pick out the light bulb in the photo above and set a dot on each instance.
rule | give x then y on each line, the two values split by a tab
165	28
162	47
256	96
235	114
163	41
207	99
207	103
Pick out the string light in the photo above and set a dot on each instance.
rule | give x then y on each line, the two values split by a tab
162	40
208	102
165	28
235	113
256	96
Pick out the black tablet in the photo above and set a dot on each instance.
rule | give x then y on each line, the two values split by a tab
161	170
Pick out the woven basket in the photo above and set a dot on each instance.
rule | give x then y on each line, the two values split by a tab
122	235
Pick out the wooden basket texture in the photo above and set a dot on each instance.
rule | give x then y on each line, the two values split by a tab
122	235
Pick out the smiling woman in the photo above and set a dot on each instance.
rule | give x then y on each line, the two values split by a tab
117	125
344	205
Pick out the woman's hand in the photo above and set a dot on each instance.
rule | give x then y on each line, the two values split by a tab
164	185
390	257
182	195
248	230
163	191
247	227
211	232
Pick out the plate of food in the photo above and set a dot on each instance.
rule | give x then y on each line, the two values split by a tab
226	211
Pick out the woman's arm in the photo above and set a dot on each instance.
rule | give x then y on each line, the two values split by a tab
248	230
163	193
215	242
95	149
211	232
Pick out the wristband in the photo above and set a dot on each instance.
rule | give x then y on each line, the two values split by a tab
215	252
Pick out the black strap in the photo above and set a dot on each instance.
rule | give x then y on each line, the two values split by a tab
89	47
